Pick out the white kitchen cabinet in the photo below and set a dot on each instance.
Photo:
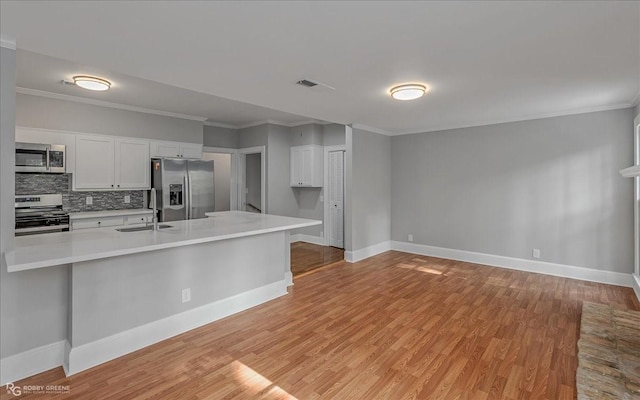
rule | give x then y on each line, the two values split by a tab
175	149
95	163
111	218
100	222
132	164
108	163
306	166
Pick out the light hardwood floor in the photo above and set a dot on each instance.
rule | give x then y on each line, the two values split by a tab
394	326
306	257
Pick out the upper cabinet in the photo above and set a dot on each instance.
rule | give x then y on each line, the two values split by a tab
111	163
306	166
175	149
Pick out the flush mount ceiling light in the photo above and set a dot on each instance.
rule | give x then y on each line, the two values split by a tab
91	82
409	91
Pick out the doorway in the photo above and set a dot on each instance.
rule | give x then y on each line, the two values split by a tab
334	173
251	180
224	176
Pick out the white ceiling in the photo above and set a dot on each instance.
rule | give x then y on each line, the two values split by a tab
485	62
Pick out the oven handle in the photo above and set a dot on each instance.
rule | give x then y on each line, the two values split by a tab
43	229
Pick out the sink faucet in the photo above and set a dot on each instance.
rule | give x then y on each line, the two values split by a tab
155	209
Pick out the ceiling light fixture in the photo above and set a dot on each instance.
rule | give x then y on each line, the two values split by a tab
409	91
91	82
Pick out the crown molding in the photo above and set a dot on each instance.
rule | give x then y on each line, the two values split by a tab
84	100
7	42
372	129
516	119
220	125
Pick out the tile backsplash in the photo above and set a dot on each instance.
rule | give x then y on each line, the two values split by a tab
27	183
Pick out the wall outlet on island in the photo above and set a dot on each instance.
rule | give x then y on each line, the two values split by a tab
536	253
186	295
127	199
410	237
89	200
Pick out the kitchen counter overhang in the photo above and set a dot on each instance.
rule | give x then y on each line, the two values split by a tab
41	251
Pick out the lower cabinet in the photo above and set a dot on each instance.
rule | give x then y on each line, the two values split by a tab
102	222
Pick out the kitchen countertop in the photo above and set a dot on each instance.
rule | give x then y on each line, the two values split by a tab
109	213
40	251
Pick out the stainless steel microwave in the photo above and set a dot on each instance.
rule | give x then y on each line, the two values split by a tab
37	157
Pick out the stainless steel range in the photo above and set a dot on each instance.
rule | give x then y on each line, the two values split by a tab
40	213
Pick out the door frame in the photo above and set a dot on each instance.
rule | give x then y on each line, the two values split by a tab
327	227
233	179
263	174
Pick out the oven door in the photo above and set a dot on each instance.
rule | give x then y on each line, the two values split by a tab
31	157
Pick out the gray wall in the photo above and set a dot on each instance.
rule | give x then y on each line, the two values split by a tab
333	135
370	189
33	304
636	111
551	184
216	136
222	179
46	113
306	134
280	197
253	136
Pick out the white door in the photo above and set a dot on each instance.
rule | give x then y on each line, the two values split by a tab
336	199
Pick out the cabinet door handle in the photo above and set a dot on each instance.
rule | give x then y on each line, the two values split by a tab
111	185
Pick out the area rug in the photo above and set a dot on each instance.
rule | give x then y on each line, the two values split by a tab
608	354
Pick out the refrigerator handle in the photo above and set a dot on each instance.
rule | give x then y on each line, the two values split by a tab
187	190
190	196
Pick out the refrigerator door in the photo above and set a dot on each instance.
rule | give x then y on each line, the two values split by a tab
200	197
169	178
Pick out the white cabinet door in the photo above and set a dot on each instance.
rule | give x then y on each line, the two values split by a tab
191	150
165	149
132	164
175	149
306	166
94	167
296	167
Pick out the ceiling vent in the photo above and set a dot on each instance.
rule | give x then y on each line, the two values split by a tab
307	83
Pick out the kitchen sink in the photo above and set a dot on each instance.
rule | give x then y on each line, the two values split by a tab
142	228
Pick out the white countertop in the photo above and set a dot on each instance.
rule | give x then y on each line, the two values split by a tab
48	250
109	213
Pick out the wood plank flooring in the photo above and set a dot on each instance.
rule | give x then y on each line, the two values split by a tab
306	257
395	326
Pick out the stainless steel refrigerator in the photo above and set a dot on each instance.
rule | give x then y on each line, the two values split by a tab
184	188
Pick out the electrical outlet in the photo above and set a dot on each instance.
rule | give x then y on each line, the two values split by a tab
536	253
127	199
410	237
89	200
186	295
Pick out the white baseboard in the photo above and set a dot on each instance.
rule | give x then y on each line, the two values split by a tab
299	237
361	254
635	281
540	267
31	362
91	354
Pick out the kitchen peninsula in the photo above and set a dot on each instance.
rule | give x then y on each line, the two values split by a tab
131	289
